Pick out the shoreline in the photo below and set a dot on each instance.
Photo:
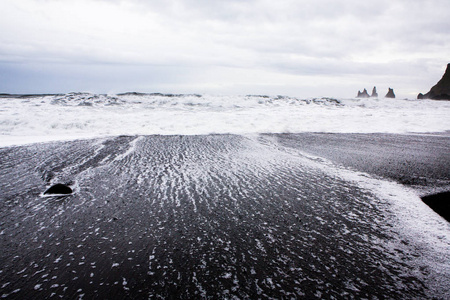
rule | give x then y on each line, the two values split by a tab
420	161
415	159
18	140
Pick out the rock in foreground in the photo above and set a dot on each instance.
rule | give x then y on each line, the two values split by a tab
58	189
441	90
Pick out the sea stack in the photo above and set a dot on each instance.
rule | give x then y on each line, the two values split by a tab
441	90
374	92
390	94
364	94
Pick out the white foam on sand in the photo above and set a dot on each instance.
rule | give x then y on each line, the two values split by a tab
419	234
418	226
421	227
81	115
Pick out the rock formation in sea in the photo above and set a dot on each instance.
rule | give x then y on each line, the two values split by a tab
364	94
441	90
390	94
374	92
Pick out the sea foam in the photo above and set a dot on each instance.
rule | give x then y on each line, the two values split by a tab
40	118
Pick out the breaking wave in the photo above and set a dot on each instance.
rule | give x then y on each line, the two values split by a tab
33	118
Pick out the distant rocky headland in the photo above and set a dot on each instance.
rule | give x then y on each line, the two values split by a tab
441	90
365	94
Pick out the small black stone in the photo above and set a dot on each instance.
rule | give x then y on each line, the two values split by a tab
58	189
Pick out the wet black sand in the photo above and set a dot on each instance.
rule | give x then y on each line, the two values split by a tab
421	161
218	216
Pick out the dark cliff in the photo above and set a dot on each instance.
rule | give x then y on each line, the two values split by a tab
441	90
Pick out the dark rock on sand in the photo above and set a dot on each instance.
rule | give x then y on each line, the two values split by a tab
374	92
441	90
390	94
440	203
364	94
58	189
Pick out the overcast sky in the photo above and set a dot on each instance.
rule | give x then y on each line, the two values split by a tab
288	47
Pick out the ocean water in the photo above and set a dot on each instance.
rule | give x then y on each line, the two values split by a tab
25	119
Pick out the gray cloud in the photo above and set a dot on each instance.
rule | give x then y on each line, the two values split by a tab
340	40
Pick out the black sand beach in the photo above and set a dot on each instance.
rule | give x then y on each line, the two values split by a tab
219	216
421	161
